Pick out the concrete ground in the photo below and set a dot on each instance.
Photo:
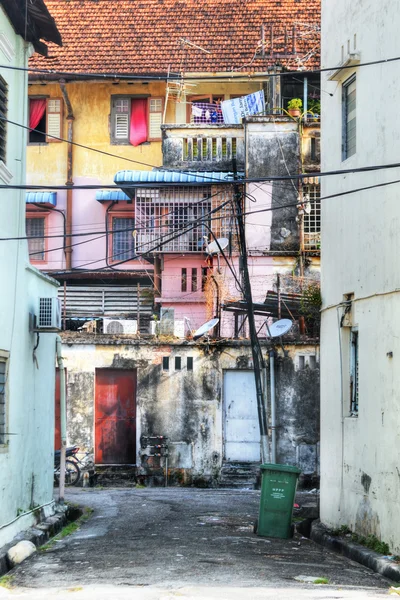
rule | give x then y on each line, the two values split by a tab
183	544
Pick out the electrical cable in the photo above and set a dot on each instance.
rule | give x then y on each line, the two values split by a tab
122	76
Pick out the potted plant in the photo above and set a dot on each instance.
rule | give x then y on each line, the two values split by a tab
294	107
315	109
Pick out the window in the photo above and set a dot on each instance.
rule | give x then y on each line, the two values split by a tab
205	109
35	228
3	115
189	363
45	120
165	363
184	280
123	241
3	378
135	120
178	363
354	382
204	277
194	280
349	118
312	217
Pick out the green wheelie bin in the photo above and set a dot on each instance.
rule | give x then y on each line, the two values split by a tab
278	490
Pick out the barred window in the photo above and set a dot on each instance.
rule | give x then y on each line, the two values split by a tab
3	371
3	115
123	242
312	217
349	118
35	230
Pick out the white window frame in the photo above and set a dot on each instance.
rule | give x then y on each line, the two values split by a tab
354	371
349	87
4	359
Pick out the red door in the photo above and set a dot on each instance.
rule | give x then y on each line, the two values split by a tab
115	417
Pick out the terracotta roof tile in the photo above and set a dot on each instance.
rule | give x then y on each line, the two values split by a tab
144	37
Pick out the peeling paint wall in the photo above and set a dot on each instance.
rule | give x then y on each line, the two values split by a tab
187	405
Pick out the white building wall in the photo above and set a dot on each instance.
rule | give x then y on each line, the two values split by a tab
360	478
26	459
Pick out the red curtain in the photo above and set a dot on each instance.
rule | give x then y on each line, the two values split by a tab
37	106
138	129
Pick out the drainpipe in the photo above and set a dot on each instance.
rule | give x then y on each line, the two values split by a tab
69	182
63	419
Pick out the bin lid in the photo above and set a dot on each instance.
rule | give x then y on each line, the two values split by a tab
283	468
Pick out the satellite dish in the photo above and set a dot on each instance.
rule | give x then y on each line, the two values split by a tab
279	328
214	247
205	328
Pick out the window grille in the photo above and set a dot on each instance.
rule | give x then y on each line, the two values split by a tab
3	365
3	123
123	242
35	230
312	220
166	218
354	372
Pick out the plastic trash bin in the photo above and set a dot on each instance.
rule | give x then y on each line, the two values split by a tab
278	490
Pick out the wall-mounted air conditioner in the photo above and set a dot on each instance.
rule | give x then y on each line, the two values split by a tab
49	318
116	326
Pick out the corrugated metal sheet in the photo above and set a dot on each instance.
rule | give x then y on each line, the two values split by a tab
41	198
166	177
111	195
94	301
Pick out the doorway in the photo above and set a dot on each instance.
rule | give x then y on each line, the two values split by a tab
115	417
241	430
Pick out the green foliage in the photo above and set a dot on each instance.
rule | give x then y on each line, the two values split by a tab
343	530
371	542
310	302
6	581
321	581
68	529
314	106
295	104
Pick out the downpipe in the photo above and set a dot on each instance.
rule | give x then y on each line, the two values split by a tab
63	419
273	404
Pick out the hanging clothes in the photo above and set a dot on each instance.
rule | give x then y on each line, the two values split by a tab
138	126
37	108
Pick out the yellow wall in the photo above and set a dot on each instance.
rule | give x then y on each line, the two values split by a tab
91	103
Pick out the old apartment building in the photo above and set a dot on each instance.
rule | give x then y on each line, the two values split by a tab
136	103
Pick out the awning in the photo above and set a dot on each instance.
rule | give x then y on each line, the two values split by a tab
157	178
46	198
111	195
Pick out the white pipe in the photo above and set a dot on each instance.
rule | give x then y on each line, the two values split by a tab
29	512
273	406
63	419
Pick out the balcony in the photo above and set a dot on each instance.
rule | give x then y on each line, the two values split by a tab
203	147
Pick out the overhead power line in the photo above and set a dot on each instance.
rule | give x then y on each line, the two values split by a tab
177	77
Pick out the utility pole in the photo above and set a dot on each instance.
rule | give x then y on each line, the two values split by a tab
258	361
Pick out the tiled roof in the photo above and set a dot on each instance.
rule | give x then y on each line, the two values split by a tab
145	36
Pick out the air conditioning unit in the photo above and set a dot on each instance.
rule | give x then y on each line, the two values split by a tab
116	326
49	314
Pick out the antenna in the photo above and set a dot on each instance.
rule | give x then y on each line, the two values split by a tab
205	328
217	247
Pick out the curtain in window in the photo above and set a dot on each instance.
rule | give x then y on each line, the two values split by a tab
138	128
37	107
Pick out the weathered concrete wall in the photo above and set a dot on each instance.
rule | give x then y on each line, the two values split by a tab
273	149
360	483
187	406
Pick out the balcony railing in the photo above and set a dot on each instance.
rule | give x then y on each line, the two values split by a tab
203	147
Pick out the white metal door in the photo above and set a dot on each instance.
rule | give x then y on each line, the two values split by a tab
242	433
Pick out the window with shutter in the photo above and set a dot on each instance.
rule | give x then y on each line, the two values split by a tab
155	118
3	114
122	112
3	384
54	119
35	229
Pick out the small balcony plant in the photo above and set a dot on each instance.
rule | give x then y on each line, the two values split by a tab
294	107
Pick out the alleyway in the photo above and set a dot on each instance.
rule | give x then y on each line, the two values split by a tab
187	544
